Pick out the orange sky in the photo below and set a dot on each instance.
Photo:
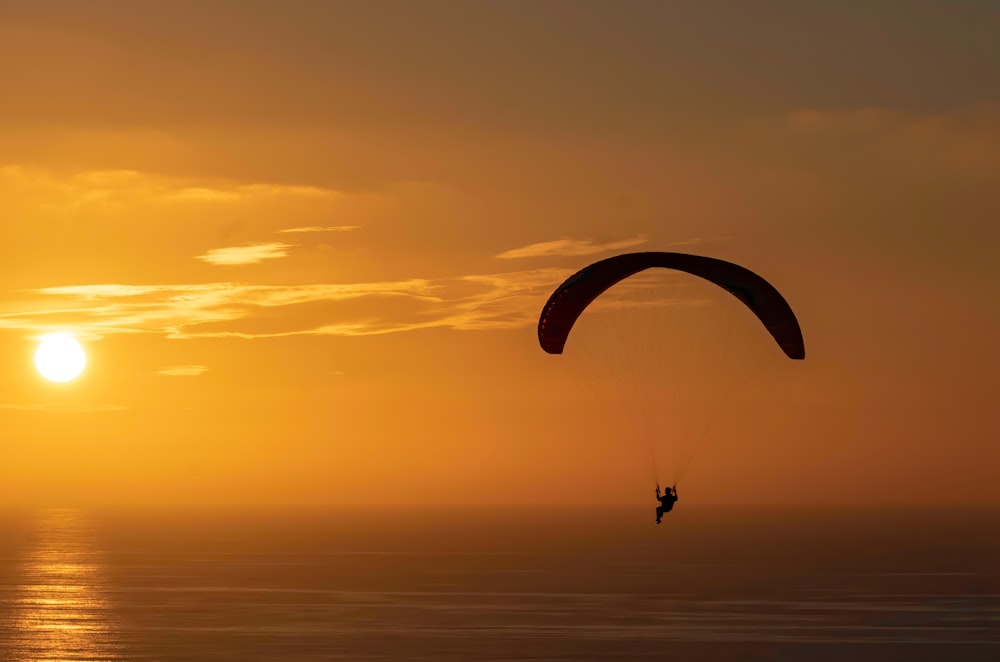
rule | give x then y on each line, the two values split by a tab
305	244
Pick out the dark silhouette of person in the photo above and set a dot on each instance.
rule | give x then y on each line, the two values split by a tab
667	501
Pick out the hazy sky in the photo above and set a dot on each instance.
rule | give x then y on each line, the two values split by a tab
305	244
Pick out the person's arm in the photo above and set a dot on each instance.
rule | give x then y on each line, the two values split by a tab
657	491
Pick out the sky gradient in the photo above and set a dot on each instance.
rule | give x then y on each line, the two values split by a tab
305	244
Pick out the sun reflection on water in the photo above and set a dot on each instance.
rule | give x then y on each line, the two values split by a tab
61	609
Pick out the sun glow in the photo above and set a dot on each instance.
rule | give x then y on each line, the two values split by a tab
59	357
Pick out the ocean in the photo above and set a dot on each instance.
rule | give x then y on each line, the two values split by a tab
500	583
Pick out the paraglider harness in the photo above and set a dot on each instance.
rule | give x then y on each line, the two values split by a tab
667	501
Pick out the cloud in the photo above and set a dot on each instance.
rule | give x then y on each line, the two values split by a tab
293	190
117	187
966	143
226	192
63	407
201	194
864	119
323	228
249	254
183	370
226	309
175	310
102	291
699	240
569	247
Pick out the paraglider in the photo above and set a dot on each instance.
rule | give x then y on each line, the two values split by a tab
579	293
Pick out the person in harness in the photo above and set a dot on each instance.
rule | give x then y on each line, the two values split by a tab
667	501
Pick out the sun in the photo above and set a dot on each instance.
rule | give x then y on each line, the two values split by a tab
59	357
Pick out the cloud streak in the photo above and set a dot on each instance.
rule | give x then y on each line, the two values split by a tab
322	228
116	187
183	370
569	247
967	143
226	309
699	240
248	254
62	407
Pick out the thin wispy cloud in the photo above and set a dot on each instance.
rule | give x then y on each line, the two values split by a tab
699	240
570	247
222	192
62	407
249	254
863	119
202	194
116	187
967	142
183	370
102	291
505	300
179	310
323	228
278	189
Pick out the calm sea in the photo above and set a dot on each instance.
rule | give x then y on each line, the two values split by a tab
500	584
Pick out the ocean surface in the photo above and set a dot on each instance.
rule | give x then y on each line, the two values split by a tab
585	583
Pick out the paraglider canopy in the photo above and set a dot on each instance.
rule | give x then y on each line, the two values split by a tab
569	301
